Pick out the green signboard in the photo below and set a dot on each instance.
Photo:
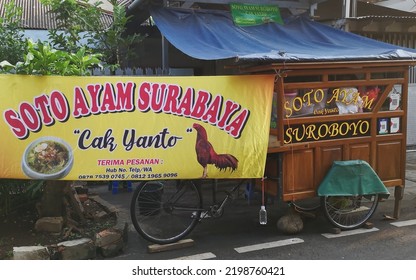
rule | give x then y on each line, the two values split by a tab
250	14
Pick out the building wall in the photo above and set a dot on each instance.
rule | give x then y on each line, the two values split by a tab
411	116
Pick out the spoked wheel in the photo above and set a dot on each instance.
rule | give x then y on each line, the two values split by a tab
164	212
349	212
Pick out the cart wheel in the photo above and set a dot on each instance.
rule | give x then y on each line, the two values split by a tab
164	212
349	212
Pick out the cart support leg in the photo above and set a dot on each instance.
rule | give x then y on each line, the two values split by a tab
398	196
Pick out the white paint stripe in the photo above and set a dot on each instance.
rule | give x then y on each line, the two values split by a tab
268	245
349	232
203	256
404	223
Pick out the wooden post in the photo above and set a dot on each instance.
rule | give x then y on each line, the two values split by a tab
398	196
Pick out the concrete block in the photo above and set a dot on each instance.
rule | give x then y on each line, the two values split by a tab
31	253
107	237
49	224
80	249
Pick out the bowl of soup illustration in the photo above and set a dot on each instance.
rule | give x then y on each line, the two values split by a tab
47	158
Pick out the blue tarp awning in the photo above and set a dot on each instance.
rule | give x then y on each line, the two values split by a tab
212	35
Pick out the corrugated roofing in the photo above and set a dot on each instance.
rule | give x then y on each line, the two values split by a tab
37	16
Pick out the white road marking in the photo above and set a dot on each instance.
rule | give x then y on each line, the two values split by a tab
268	245
404	223
203	256
349	232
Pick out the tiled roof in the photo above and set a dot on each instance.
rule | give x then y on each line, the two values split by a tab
125	3
36	16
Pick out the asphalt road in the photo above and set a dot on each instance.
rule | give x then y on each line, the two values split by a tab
238	234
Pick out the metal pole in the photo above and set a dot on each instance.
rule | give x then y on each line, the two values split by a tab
165	50
165	56
353	8
346	5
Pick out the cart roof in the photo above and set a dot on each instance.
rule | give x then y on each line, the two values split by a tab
212	35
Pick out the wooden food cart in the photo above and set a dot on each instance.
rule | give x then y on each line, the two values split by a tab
338	111
338	96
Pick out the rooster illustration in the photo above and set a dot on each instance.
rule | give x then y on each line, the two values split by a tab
206	154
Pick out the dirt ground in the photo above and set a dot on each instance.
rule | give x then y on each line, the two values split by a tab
18	229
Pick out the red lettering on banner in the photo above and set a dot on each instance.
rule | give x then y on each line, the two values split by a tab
157	97
230	108
31	117
42	102
200	106
16	124
94	91
119	97
185	105
59	106
103	99
81	108
125	94
167	99
172	99
235	128
143	102
109	100
213	112
104	162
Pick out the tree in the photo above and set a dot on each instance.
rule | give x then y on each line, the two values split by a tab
12	43
117	47
42	59
80	24
77	22
78	44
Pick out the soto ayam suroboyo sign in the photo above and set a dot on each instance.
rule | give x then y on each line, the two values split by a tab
320	102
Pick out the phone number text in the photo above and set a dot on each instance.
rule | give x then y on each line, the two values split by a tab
140	176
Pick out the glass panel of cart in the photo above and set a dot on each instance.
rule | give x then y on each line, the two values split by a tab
310	102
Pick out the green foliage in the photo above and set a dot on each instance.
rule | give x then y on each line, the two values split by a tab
42	59
18	194
39	59
79	24
12	43
115	46
79	44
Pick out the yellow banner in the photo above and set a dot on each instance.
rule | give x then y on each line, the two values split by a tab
134	128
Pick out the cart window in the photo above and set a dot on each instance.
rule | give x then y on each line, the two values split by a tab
325	101
393	100
305	102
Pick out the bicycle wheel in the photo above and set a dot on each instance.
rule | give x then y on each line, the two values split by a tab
164	212
349	212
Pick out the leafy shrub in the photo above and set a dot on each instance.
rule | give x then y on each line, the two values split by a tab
18	194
